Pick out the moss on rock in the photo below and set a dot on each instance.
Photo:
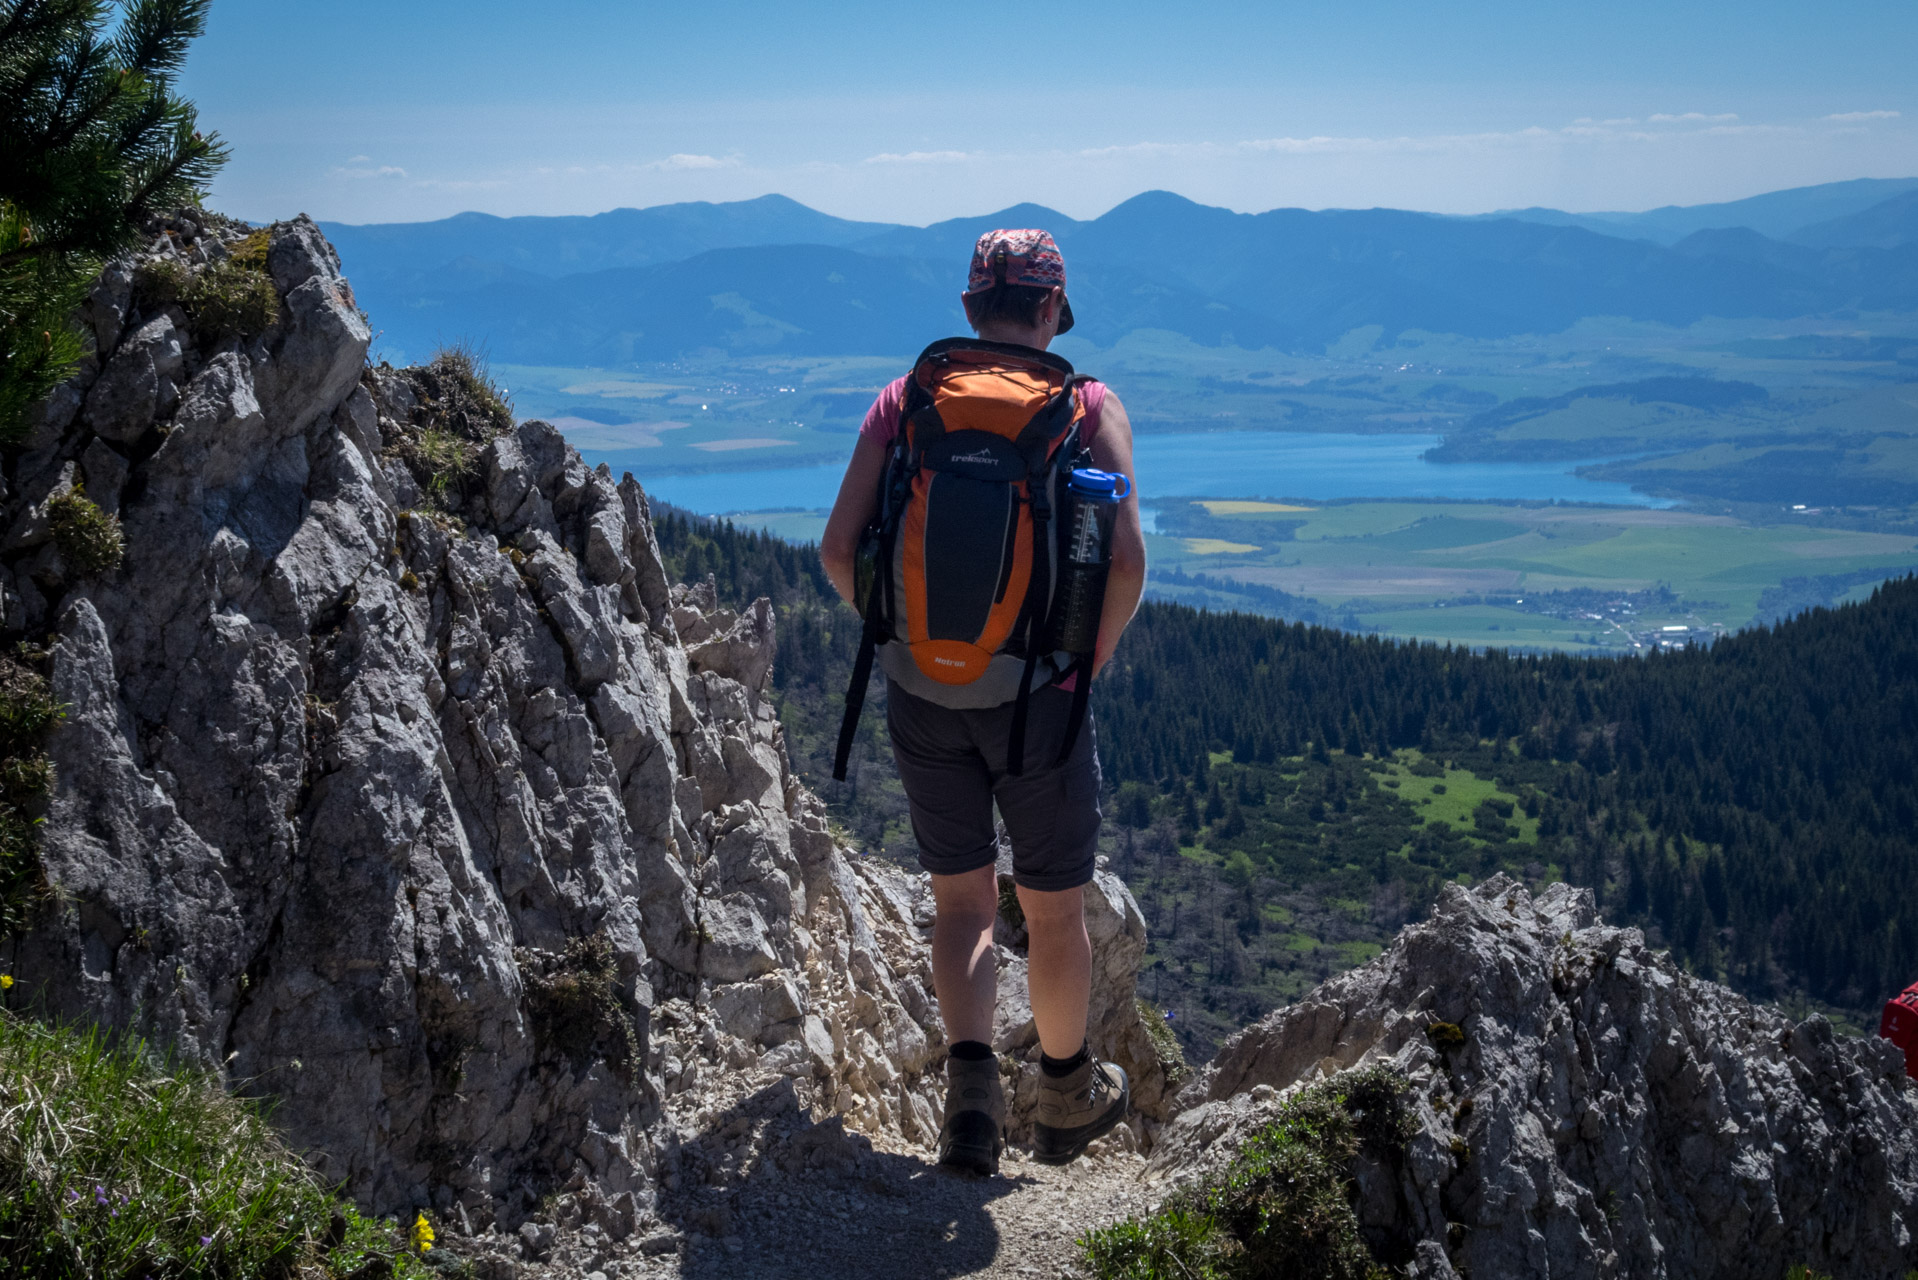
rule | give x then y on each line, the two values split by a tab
89	539
1283	1208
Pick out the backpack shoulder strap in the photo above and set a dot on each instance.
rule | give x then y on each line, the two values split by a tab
880	606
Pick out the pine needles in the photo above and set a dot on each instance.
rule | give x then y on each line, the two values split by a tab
93	142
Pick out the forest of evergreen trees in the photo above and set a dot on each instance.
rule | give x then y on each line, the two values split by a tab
1753	805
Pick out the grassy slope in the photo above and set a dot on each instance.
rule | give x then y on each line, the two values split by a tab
117	1162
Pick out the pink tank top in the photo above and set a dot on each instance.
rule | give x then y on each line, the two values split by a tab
882	420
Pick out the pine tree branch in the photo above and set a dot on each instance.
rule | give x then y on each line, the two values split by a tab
155	34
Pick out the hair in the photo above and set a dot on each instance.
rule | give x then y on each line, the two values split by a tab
1007	303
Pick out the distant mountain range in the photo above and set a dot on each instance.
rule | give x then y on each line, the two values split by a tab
771	276
1777	214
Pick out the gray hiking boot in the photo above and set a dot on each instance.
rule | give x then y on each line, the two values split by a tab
974	1130
1076	1110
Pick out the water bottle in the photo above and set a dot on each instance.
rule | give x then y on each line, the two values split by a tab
1093	499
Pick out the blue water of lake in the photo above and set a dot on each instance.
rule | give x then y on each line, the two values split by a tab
1216	464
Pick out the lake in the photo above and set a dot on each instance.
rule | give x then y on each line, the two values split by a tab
1214	464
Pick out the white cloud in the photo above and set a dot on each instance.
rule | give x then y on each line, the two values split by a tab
1141	149
681	160
920	157
1324	145
1692	117
362	167
359	159
1859	117
464	184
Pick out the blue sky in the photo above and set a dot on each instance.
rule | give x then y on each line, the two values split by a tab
413	109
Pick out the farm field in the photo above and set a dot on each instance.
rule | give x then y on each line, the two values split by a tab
1514	575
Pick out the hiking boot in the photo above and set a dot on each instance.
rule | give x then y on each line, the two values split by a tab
974	1130
1076	1110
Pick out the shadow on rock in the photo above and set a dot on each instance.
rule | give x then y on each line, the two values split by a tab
762	1191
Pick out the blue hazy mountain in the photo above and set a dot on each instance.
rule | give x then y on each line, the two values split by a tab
954	238
1320	274
771	276
568	245
764	299
1885	225
1777	214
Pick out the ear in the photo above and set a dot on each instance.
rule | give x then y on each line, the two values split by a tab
1054	307
965	301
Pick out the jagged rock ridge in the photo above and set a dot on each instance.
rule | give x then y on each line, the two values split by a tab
1585	1108
437	812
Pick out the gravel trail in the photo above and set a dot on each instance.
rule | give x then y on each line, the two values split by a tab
871	1213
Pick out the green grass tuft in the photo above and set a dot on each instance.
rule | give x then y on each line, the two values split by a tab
576	1006
463	409
234	297
1165	1045
231	300
89	539
1010	909
1283	1208
115	1162
27	714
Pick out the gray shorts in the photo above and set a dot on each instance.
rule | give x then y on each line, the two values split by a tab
953	765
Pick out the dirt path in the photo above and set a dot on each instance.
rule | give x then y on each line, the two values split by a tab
868	1214
897	1215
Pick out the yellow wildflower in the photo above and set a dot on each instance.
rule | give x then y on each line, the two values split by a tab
422	1234
6	982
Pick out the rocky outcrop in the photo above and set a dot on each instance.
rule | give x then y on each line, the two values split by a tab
420	800
1585	1108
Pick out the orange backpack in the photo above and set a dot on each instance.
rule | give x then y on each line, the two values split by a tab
960	563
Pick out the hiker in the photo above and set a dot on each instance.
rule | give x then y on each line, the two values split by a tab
961	533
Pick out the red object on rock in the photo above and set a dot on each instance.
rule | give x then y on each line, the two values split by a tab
1900	1026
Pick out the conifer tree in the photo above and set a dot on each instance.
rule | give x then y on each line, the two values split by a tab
93	141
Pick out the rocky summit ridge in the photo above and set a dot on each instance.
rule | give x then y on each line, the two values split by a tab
397	782
1584	1108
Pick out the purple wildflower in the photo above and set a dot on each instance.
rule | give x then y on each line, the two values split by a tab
205	1241
72	1195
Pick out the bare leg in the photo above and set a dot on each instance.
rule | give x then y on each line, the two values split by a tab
1058	967
964	969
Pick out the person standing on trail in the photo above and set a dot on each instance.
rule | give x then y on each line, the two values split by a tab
988	533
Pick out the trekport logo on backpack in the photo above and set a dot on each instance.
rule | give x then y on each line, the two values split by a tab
985	456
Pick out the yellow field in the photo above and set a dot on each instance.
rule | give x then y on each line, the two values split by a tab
1217	547
1236	508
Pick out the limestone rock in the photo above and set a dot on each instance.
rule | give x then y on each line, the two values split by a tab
139	383
1585	1108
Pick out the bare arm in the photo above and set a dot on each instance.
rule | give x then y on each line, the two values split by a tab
858	500
1125	581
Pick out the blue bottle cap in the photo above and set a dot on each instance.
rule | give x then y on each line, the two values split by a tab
1089	485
